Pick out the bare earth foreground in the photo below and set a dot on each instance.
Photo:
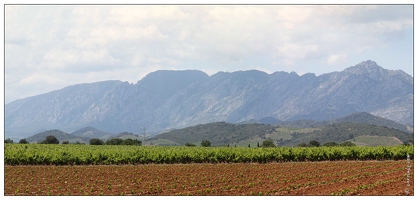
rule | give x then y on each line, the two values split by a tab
292	178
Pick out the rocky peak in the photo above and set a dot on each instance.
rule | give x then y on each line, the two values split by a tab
367	68
370	69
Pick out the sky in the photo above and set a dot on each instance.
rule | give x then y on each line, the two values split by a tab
49	47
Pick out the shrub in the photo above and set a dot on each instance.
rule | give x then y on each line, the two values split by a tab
23	141
190	144
205	143
8	140
268	143
130	141
314	143
65	142
96	141
114	141
50	139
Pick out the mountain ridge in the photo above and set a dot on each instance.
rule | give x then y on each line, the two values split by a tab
174	99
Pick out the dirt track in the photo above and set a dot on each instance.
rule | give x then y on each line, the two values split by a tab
300	178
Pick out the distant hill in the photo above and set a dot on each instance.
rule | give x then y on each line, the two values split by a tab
60	135
358	117
83	135
367	118
218	133
222	134
90	132
348	131
126	135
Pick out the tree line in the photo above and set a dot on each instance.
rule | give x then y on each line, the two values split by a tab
270	143
94	141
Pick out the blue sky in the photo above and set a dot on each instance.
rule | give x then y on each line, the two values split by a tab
51	47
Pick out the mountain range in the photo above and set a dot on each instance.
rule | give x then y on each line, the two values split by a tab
174	99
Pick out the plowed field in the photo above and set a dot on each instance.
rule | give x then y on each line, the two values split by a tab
293	178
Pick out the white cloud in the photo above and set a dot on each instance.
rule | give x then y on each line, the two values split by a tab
60	58
296	51
336	59
42	78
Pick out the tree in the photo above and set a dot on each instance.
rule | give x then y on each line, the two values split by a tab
114	141
138	142
96	141
314	143
23	141
65	142
268	143
130	141
302	144
205	143
50	139
8	141
190	144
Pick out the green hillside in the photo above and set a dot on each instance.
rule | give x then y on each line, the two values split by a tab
367	118
60	135
347	131
126	135
219	133
223	134
90	132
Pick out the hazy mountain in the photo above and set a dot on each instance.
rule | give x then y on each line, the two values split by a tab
175	99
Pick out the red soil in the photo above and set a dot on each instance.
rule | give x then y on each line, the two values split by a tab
295	179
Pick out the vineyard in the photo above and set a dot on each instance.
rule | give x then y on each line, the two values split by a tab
43	154
75	170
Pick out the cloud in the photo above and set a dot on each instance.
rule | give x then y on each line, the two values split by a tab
336	59
71	44
69	59
42	78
